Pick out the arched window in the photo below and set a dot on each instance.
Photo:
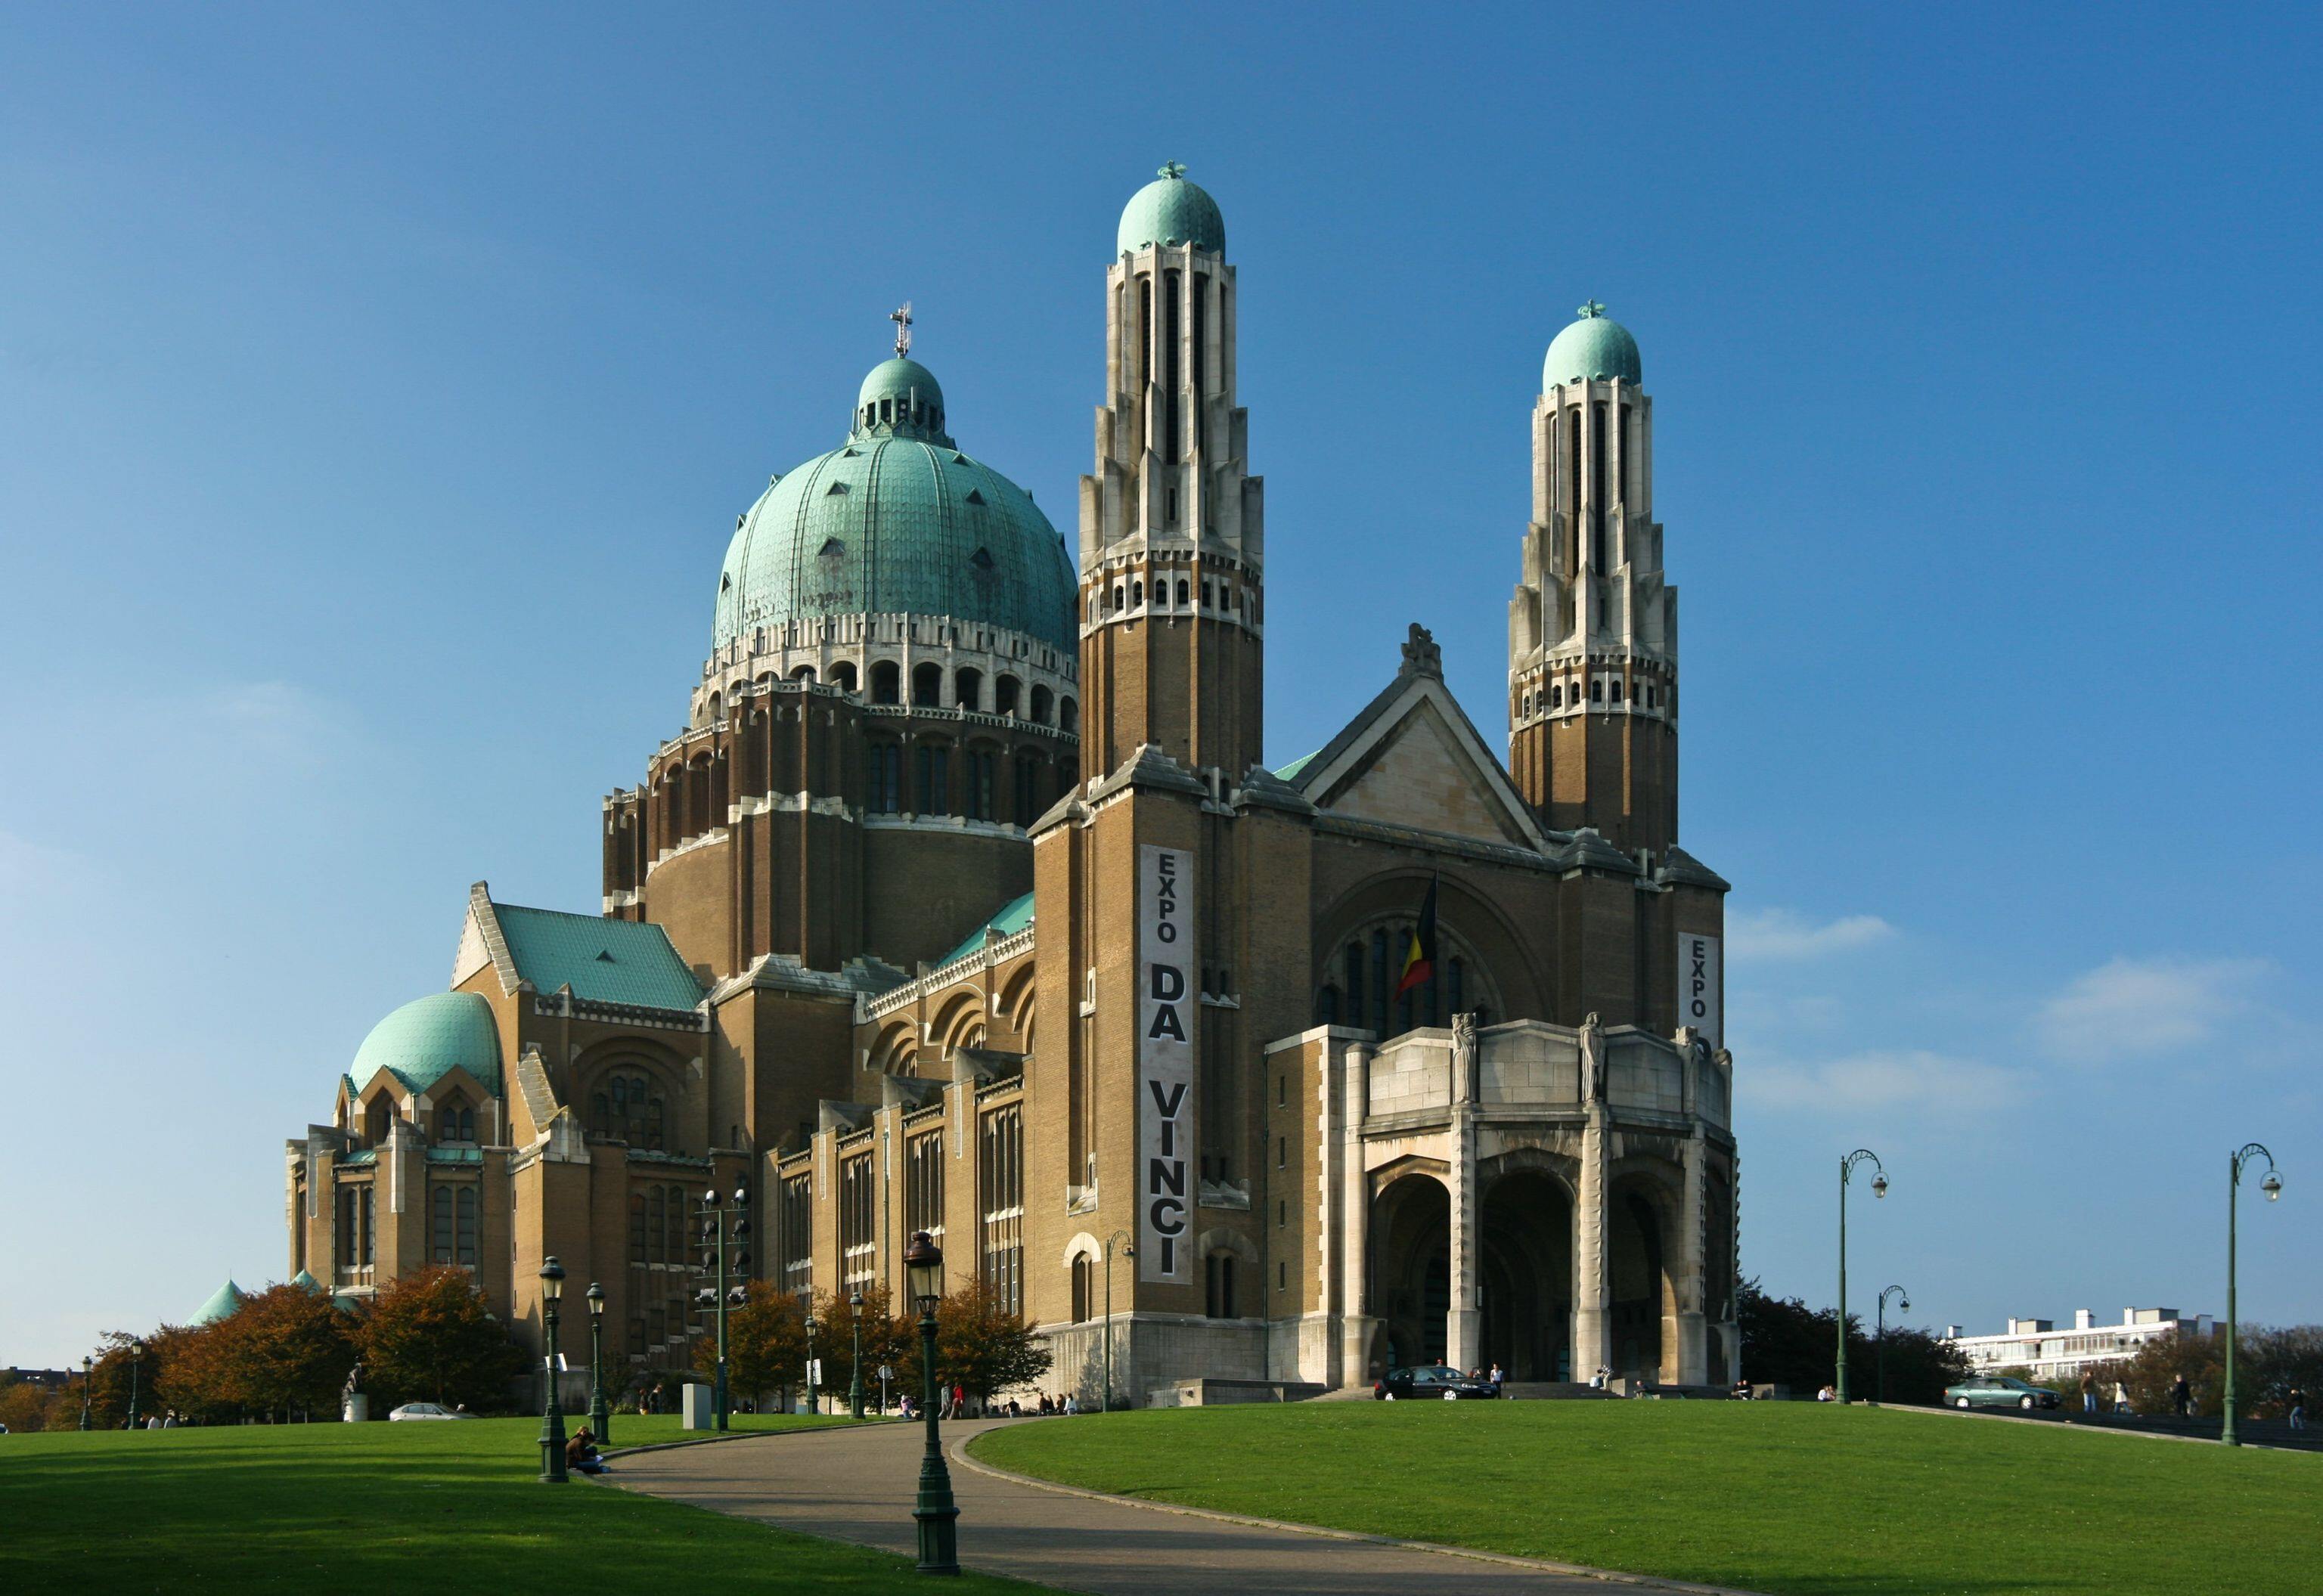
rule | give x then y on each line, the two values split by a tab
1181	593
1043	701
1117	605
882	782
1596	690
887	682
637	1227
1027	789
843	676
1137	594
1613	690
1524	704
1220	1283
378	1119
1068	714
628	1106
980	773
1004	692
927	686
467	1206
1327	1007
1084	1306
1207	602
658	1227
439	1206
967	689
804	673
1556	695
934	762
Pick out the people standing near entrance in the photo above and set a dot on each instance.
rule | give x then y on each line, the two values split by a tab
2088	1392
1496	1379
2182	1397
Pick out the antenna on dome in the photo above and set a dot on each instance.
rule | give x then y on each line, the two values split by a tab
902	317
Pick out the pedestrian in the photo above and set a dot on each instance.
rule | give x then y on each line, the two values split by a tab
170	1419
2297	1408
960	1401
580	1453
2182	1397
2088	1392
1072	1406
1496	1377
152	1421
2121	1403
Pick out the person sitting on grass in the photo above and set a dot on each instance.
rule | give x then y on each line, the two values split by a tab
580	1453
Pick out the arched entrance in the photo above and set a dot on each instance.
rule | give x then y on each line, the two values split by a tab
1411	1267
1525	1266
1643	1293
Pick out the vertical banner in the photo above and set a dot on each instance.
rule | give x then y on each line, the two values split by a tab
1702	987
1165	1063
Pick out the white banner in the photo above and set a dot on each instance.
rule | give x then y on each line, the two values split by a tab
1702	985
1165	1062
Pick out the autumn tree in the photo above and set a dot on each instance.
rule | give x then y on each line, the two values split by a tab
25	1407
429	1338
886	1339
287	1350
111	1381
193	1377
765	1342
981	1345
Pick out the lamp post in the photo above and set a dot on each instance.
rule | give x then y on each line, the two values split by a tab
552	1412
600	1422
813	1400
1879	1189
1903	1302
88	1367
136	1357
936	1512
1128	1249
717	1226
855	1378
2273	1187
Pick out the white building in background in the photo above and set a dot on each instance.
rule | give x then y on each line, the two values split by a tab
2052	1353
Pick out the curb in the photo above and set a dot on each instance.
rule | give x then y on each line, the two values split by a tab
958	1452
812	1430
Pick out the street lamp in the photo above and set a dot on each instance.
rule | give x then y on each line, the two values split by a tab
855	1378
552	1413
813	1401
1879	1189
2273	1187
87	1369
137	1356
600	1421
1903	1302
1128	1249
718	1225
935	1510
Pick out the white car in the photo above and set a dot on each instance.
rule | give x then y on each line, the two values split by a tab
425	1411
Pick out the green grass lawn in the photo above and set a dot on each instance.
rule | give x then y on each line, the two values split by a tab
1778	1497
349	1508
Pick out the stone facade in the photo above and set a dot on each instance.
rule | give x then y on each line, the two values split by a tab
922	923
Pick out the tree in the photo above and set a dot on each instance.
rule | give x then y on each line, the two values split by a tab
2153	1369
287	1350
429	1338
886	1339
2270	1364
981	1346
193	1376
1787	1343
765	1342
23	1406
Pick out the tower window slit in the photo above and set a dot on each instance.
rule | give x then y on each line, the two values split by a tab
1171	318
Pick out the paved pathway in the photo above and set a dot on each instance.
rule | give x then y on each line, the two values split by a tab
857	1485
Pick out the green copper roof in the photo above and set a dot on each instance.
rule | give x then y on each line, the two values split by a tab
307	1283
1597	348
1011	920
897	521
222	1302
429	1038
1170	210
602	961
1292	770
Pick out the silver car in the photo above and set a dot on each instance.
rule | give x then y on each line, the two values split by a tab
425	1411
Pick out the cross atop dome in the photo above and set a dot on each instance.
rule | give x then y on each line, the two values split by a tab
902	317
1171	169
1589	312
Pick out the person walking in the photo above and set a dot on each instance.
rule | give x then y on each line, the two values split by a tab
2182	1397
1496	1379
2088	1392
2297	1408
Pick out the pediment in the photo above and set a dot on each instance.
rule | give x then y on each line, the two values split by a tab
1414	760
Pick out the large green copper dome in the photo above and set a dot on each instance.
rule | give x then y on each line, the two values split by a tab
897	520
429	1037
1597	348
1170	210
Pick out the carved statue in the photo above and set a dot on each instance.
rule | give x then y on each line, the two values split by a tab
1463	1054
1421	657
1593	1059
354	1382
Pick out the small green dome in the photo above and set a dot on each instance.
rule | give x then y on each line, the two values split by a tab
221	1305
897	521
900	378
429	1038
1170	210
1597	348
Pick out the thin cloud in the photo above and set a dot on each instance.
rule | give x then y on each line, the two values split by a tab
2138	1007
1772	935
1883	1079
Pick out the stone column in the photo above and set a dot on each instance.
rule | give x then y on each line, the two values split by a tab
1692	1351
1591	1339
1356	1321
1462	1324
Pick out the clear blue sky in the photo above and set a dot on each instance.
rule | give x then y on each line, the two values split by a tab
378	387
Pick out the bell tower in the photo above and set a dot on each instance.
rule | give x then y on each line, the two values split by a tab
1593	629
1172	544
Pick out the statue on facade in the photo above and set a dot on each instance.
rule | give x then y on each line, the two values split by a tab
1592	1059
1463	1053
1422	656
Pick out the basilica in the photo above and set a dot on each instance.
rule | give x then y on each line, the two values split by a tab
965	904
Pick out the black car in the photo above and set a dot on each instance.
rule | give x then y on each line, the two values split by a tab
1431	1382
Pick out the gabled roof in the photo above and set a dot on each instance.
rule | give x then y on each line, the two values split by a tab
1012	918
623	961
1413	759
222	1303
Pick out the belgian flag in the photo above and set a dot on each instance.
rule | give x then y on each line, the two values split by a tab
1420	959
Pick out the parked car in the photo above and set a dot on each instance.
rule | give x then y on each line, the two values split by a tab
1998	1390
425	1410
1432	1382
